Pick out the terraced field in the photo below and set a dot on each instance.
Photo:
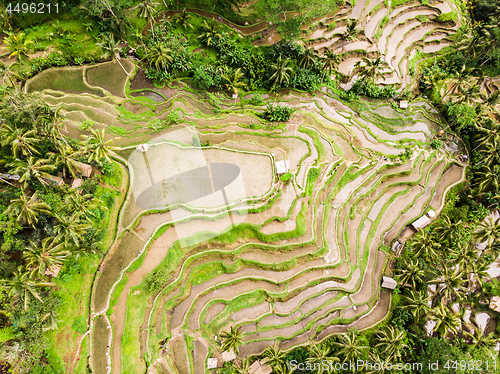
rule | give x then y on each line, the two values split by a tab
288	262
403	34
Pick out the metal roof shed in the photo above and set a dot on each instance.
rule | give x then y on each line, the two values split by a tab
421	223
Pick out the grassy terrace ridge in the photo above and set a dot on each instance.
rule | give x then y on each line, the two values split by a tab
302	231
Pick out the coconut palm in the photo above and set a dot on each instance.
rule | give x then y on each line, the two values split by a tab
488	178
490	135
211	31
243	368
330	62
477	271
182	19
469	94
417	302
23	286
233	80
281	71
147	11
488	231
45	255
377	365
70	229
7	73
393	344
446	320
463	254
410	273
232	339
27	209
81	203
21	141
349	346
66	158
318	354
308	58
160	55
275	358
448	230
352	30
490	154
450	283
96	148
458	80
370	69
432	79
480	340
17	44
32	168
50	122
425	245
111	48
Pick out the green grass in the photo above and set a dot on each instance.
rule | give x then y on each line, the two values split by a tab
384	21
448	17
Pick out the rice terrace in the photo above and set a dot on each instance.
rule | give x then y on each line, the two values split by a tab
253	189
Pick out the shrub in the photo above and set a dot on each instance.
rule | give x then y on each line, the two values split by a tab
286	177
436	144
370	89
278	113
305	79
256	99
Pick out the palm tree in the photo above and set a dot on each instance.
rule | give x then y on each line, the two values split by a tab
481	340
111	48
70	229
308	58
425	245
233	80
446	320
182	19
81	203
66	158
17	44
450	283
410	273
50	122
45	255
477	271
318	354
244	368
275	358
31	168
491	136
351	32
469	94
23	286
459	79
96	147
349	346
211	31
392	343
147	11
232	339
417	302
463	254
490	154
331	63
159	55
21	141
488	231
281	71
27	210
446	229
371	69
488	178
7	73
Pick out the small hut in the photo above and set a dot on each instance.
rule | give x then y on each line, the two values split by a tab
228	356
282	167
85	169
389	283
212	363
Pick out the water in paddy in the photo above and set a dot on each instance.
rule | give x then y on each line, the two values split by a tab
141	82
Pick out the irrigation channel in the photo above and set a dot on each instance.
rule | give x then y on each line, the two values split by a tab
210	237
